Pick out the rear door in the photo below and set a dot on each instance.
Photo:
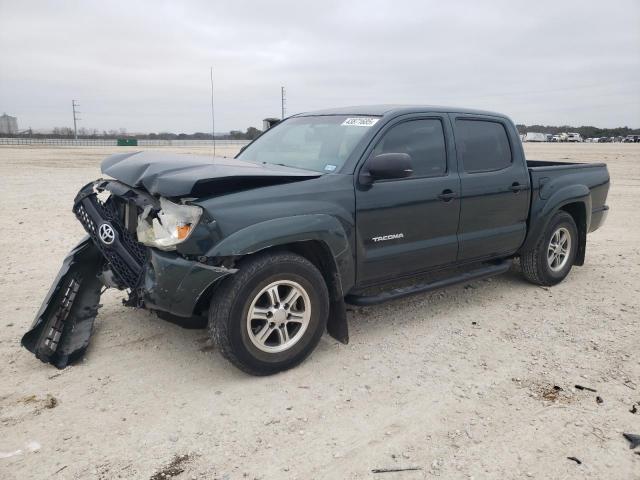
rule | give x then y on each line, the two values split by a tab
410	224
494	180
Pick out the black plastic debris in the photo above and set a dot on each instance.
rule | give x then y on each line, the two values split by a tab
581	387
389	470
634	440
577	460
60	332
634	409
599	400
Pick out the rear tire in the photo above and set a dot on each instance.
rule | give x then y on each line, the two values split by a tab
551	259
270	315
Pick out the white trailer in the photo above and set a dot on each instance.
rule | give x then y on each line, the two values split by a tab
535	137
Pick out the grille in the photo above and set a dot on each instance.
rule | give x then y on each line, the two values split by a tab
126	255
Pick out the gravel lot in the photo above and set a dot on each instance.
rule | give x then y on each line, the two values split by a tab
457	383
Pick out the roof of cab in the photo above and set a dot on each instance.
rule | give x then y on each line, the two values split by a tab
393	110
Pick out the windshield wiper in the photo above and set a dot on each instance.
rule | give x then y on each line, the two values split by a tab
291	166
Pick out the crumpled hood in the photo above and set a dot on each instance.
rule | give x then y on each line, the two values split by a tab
175	175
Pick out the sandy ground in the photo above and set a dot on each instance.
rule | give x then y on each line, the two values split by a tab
457	383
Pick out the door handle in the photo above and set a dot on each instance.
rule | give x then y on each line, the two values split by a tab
516	187
447	195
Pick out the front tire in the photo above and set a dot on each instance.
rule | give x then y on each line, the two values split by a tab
270	315
551	259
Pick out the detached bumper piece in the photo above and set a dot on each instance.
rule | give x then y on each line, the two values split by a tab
60	333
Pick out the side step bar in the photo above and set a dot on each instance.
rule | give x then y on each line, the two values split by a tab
483	272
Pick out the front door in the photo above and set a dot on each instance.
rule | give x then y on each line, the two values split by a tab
410	224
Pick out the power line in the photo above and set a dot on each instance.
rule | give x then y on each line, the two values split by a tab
213	122
283	101
75	118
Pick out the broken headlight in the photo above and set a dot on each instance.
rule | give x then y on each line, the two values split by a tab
167	227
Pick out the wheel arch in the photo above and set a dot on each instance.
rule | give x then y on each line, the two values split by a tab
576	201
319	238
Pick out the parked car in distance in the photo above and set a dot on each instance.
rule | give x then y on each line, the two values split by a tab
356	205
574	137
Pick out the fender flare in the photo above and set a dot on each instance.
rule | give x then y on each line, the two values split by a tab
564	196
285	230
301	228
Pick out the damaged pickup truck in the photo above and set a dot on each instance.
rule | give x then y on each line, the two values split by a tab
355	205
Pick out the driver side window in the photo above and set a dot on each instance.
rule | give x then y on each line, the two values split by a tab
423	141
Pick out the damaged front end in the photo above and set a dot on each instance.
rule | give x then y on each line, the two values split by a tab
122	222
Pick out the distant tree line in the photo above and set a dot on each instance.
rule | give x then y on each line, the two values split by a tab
252	132
66	132
585	131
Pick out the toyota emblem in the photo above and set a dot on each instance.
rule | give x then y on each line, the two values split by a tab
107	234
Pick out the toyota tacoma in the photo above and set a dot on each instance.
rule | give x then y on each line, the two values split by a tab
354	205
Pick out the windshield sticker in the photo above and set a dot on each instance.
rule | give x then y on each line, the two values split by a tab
329	168
360	122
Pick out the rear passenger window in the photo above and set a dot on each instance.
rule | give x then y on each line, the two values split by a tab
483	145
423	140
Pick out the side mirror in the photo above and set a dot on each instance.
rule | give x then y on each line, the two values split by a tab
386	166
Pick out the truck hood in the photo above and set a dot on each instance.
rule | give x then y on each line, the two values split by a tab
175	175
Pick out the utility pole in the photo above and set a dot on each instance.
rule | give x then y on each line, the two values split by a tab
75	118
213	123
283	101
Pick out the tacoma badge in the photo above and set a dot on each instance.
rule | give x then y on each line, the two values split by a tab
392	236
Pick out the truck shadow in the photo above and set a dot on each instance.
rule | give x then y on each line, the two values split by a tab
151	340
459	300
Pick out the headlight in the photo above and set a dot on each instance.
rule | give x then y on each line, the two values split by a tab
167	227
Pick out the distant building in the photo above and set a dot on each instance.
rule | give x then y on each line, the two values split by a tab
267	123
8	124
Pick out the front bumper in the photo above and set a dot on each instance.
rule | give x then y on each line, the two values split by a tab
157	280
175	285
62	327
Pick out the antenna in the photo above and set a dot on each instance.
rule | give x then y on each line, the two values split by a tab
75	118
283	101
213	123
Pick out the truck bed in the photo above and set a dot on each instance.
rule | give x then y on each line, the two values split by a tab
540	165
585	182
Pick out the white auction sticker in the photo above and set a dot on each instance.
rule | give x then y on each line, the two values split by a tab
360	122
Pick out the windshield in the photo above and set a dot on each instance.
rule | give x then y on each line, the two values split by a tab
321	143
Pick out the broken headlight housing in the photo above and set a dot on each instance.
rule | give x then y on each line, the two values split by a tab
167	227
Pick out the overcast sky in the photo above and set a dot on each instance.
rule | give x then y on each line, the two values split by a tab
144	66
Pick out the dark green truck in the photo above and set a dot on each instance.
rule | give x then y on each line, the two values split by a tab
354	205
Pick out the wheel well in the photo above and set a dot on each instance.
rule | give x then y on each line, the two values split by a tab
579	213
319	254
313	250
